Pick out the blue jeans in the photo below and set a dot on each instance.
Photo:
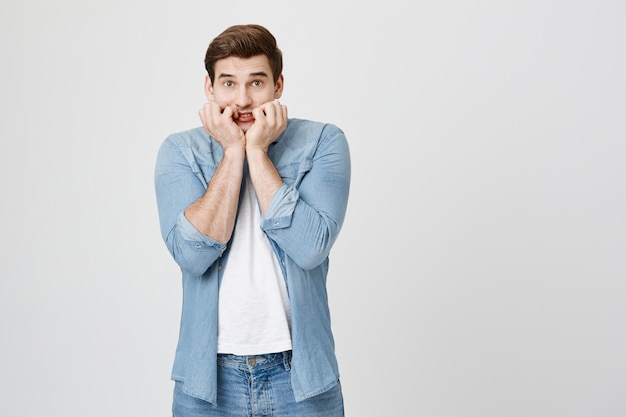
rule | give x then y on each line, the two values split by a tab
257	386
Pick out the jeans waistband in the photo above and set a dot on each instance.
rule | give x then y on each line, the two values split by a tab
255	362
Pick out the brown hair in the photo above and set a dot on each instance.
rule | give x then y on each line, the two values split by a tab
244	41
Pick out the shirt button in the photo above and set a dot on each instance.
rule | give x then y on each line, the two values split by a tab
219	267
251	361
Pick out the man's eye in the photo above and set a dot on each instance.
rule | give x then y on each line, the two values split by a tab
228	84
257	83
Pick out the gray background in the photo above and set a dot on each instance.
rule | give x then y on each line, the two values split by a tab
481	268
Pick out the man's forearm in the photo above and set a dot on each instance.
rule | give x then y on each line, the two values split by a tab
214	213
265	177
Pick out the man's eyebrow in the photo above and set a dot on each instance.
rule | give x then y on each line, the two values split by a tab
251	75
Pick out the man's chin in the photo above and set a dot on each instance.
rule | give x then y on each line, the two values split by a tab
245	125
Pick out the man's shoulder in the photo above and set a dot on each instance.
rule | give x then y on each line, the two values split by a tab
192	145
311	129
190	137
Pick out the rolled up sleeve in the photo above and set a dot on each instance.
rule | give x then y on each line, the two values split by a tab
281	208
305	218
177	186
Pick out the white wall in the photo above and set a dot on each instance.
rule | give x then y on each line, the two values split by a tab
481	270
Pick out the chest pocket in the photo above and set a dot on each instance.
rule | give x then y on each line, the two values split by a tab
202	163
292	174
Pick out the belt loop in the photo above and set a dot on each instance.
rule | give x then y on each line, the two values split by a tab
287	360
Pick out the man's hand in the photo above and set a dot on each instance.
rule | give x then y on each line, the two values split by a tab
221	125
270	120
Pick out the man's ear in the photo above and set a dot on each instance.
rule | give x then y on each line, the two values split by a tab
278	88
208	88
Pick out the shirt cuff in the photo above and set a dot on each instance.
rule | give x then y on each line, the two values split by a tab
190	233
281	208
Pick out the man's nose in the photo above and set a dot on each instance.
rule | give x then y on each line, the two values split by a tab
243	98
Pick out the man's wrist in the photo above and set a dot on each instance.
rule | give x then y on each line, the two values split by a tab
235	151
252	150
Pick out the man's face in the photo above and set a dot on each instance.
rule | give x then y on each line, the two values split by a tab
244	84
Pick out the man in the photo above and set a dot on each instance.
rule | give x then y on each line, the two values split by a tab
250	205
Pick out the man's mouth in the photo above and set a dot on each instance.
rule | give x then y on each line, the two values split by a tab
245	117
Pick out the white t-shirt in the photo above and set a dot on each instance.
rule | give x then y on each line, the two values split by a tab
254	314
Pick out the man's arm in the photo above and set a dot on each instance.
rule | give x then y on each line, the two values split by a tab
305	221
214	213
177	186
264	176
270	122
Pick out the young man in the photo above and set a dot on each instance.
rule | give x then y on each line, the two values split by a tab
250	205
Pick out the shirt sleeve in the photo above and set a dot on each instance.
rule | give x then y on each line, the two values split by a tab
281	208
177	185
305	218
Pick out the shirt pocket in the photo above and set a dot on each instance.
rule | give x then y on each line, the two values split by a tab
202	163
293	173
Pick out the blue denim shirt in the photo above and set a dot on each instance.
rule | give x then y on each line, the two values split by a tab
302	223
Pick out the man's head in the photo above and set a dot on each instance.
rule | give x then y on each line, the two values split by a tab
244	68
244	41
